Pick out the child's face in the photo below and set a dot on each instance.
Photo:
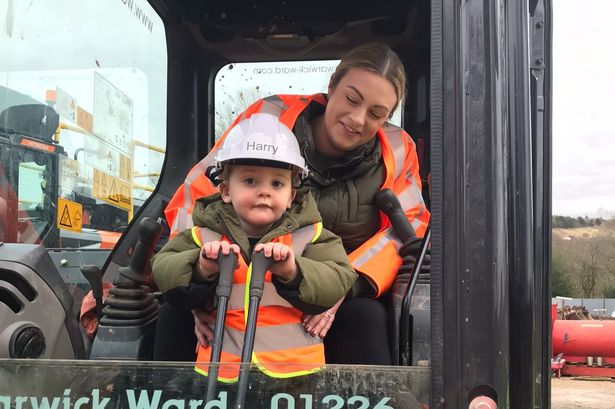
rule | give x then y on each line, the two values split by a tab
259	195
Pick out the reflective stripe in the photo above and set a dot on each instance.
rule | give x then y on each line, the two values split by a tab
386	238
304	236
238	296
183	220
270	297
416	223
395	138
287	336
194	232
233	341
276	364
273	105
276	369
246	293
410	197
270	338
179	219
202	235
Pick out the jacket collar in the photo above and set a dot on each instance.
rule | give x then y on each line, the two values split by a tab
213	213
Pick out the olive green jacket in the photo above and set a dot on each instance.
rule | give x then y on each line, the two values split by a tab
324	272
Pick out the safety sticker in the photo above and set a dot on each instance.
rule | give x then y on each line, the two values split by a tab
69	215
84	119
111	189
125	167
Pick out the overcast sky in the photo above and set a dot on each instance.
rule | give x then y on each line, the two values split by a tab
583	107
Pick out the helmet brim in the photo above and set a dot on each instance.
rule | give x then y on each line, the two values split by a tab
259	162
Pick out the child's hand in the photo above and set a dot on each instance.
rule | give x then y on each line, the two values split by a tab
208	267
283	259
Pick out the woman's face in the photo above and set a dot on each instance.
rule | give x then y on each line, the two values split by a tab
361	103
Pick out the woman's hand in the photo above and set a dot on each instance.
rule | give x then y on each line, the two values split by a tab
203	326
319	325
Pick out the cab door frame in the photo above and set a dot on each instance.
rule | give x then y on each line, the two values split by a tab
491	202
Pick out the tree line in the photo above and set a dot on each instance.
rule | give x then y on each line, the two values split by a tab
568	222
583	266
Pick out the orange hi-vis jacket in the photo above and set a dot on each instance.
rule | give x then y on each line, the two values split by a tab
377	258
282	347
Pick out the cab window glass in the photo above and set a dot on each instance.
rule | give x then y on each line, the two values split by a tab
30	176
82	118
238	85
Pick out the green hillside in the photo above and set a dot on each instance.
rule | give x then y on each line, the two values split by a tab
584	260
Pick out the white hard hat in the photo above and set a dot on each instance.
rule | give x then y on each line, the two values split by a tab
261	140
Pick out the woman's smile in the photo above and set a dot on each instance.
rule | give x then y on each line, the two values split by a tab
350	130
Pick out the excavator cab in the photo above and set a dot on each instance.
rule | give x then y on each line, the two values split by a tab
131	94
29	173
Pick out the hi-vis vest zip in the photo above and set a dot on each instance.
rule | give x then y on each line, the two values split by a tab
377	258
282	348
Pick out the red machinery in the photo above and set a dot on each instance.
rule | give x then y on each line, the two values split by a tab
588	346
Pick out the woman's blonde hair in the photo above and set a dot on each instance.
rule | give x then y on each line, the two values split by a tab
375	57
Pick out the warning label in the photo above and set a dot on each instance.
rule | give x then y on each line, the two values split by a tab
113	117
66	105
84	119
69	215
112	190
125	167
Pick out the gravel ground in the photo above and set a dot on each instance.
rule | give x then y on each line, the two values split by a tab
572	393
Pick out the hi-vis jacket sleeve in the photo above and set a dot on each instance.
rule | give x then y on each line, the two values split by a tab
377	259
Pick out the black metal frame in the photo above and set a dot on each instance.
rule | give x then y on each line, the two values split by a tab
490	204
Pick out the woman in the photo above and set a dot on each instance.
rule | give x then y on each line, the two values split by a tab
352	153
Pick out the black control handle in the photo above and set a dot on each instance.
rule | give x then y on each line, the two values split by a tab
389	204
138	269
226	265
94	276
260	265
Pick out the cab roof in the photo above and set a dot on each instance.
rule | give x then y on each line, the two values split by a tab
291	29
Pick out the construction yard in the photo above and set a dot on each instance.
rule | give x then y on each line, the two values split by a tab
572	393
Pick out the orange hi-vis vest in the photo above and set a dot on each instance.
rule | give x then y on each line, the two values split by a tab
377	258
282	347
